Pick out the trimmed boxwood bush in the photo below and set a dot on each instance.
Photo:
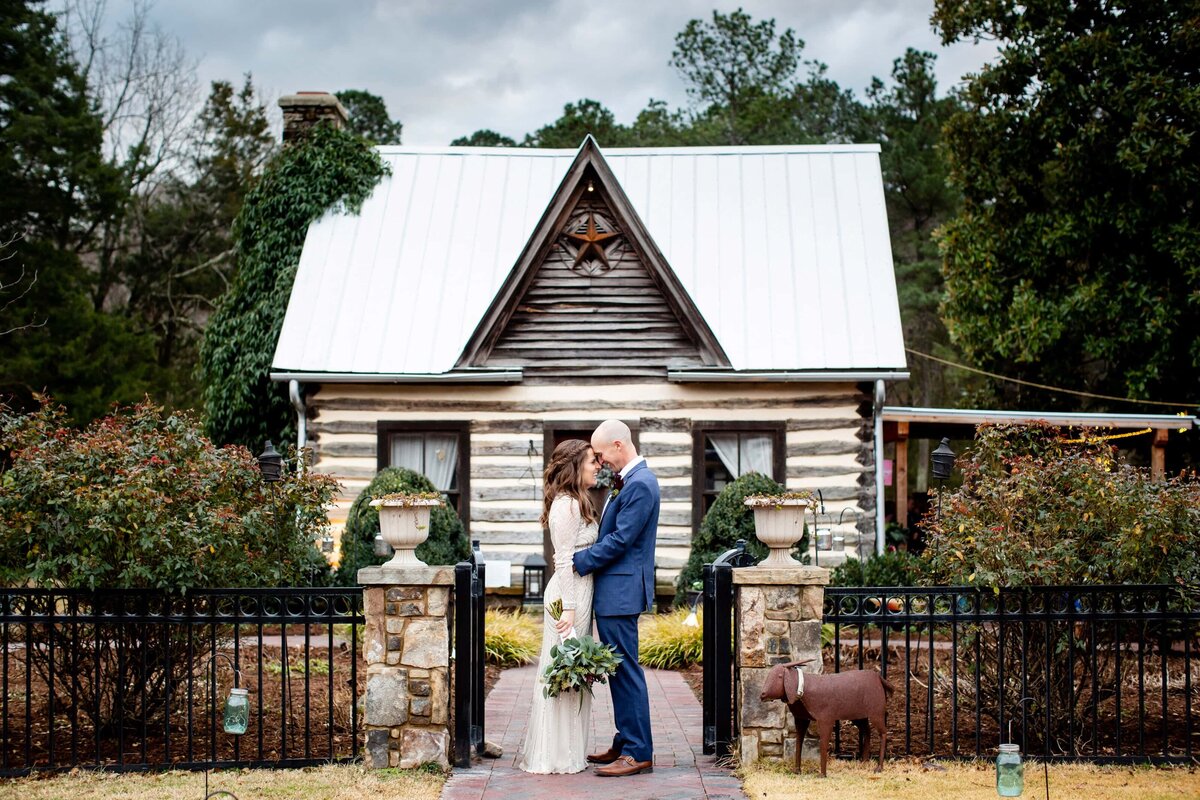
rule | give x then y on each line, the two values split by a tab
447	542
727	521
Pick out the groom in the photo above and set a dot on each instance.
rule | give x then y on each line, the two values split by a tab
623	560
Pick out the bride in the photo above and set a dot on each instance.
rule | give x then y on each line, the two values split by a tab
557	736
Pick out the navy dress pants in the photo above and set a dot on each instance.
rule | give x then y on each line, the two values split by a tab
631	703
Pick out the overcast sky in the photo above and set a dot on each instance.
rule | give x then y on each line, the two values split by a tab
450	67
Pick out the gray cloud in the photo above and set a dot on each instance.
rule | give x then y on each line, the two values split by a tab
449	67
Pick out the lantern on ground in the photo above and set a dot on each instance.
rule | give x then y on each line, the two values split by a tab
534	583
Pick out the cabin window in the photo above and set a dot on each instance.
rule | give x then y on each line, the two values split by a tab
723	452
439	451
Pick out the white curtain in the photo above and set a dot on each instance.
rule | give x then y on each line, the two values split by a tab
726	445
742	453
434	455
757	455
441	460
407	451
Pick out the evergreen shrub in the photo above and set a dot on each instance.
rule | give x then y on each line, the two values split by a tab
727	521
447	542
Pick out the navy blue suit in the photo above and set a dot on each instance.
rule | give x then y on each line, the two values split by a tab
623	560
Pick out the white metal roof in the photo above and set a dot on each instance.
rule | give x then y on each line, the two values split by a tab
784	250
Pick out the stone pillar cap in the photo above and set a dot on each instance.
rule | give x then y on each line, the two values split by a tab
781	576
406	576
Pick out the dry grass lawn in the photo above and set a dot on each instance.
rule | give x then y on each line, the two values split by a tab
350	782
913	780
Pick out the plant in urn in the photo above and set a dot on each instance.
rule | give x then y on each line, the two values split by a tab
404	523
779	524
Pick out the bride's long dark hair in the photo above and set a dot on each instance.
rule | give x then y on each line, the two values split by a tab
564	475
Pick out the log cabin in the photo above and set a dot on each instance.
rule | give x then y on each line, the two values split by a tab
735	305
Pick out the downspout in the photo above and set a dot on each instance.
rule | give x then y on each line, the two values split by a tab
301	416
880	394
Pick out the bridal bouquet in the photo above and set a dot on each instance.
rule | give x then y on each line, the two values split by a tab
578	662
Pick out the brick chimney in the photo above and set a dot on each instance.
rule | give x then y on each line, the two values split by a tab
303	110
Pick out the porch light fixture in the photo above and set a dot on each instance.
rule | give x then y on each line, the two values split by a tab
270	464
943	460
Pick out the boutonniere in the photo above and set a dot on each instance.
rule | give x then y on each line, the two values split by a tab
613	494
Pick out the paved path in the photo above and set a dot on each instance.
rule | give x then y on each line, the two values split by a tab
681	770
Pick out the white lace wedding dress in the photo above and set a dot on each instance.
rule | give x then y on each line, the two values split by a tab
556	740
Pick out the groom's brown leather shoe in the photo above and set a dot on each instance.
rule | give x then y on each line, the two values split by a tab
625	765
607	757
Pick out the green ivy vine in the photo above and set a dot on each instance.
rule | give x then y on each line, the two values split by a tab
329	169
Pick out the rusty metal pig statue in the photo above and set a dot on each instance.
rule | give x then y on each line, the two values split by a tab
859	696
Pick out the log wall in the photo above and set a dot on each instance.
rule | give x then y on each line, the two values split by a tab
828	441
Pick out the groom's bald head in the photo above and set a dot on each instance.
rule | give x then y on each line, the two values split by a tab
613	442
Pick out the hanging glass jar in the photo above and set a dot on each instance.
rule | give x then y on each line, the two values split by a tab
1010	772
237	711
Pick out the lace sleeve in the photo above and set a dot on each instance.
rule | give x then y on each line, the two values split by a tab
565	523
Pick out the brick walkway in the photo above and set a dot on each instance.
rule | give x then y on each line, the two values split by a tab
681	770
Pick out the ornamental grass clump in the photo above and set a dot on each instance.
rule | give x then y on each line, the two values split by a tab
510	638
665	642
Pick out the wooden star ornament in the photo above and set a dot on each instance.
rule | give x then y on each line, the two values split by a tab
591	240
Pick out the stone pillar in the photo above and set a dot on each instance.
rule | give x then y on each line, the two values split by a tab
779	620
303	110
406	645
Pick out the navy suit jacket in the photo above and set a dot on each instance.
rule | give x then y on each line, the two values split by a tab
623	555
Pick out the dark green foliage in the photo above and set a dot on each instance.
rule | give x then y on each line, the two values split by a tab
369	117
906	117
328	169
1076	256
57	187
447	542
745	82
141	499
893	568
51	164
484	138
727	521
577	121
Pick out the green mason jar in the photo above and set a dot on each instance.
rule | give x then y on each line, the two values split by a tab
1010	772
237	711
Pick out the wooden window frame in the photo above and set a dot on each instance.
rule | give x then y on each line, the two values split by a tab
778	433
385	429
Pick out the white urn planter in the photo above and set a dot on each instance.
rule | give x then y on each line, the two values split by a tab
404	524
779	524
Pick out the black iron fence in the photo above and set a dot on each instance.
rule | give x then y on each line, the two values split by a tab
467	628
134	680
720	667
1096	673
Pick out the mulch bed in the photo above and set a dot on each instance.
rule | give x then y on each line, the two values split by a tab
908	709
316	728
